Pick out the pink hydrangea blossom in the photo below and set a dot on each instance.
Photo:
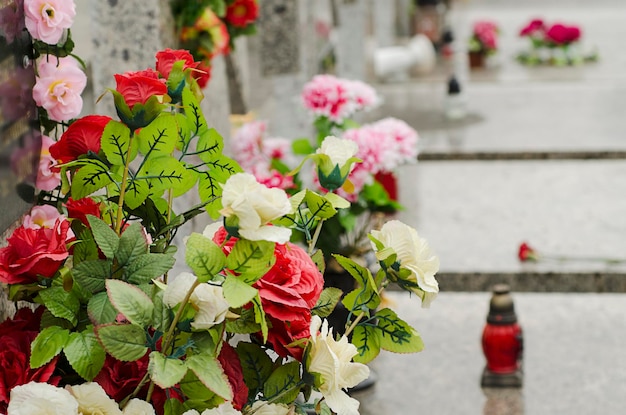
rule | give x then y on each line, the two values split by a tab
42	216
328	96
58	88
47	177
47	19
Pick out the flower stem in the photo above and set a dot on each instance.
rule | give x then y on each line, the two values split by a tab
120	202
354	323
169	337
316	236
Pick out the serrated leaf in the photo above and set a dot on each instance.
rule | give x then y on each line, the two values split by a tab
210	144
137	191
115	143
319	206
245	324
256	365
396	335
91	275
191	107
100	309
198	395
48	343
147	267
159	137
166	372
173	407
92	176
132	244
125	342
337	201
367	341
281	383
318	259
327	302
210	373
259	316
86	248
105	237
131	302
204	257
367	293
162	316
85	354
237	292
251	259
61	303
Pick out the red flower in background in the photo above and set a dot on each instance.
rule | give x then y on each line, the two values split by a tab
16	336
526	253
138	87
534	27
202	74
82	136
33	252
560	34
79	209
165	59
229	360
242	12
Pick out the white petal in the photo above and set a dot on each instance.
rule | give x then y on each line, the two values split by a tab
267	233
178	288
341	403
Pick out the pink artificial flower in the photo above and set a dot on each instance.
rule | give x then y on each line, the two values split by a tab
560	34
246	142
59	86
12	20
328	96
48	178
42	216
363	95
47	19
270	177
534	28
487	33
404	137
376	149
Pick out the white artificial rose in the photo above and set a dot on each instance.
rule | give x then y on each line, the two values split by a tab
413	253
264	408
332	359
335	160
211	229
339	150
41	399
138	407
93	400
255	205
224	409
208	300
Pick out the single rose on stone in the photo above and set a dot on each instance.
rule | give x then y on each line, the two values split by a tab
526	253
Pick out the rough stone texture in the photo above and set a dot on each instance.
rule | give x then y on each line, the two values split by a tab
350	44
280	41
383	17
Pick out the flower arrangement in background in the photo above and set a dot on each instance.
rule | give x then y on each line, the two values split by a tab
555	44
484	37
244	329
527	253
208	28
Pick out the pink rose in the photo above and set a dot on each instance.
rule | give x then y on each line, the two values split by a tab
47	177
47	19
533	28
138	87
59	86
42	216
79	209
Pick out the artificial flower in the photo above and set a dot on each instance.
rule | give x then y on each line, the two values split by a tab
46	20
119	379
60	83
138	407
137	87
526	253
332	360
266	408
413	253
363	95
12	20
229	360
560	34
202	74
82	136
328	96
241	13
16	94
166	59
79	209
48	178
42	216
335	160
93	400
253	206
533	28
36	398
32	253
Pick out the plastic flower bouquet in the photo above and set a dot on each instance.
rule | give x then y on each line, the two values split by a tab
244	329
484	38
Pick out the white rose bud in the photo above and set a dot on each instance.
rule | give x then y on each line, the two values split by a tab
335	159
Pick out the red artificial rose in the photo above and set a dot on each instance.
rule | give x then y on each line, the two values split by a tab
79	209
202	74
138	87
283	333
532	28
560	34
242	12
229	360
526	253
33	252
16	335
81	136
165	59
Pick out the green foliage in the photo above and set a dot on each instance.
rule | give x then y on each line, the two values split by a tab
396	335
48	343
166	372
251	259
84	353
91	177
327	302
118	144
131	302
256	365
61	304
100	309
366	339
237	292
204	257
210	373
125	342
282	385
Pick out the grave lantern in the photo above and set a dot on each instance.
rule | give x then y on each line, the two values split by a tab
502	341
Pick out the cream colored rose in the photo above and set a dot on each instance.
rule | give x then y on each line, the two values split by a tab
338	150
255	206
335	159
138	407
224	409
93	400
413	253
264	408
333	361
41	399
208	300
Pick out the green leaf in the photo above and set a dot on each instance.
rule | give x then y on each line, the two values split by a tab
105	237
210	144
136	193
91	275
302	146
159	137
182	131
397	336
173	407
259	316
92	176
85	354
191	107
198	395
129	300
282	380
204	257
337	201
319	206
147	267
165	372
367	294
327	302
209	185
367	341
116	142
318	259
61	303
48	343
251	259
237	292
211	374
132	244
100	309
245	324
165	172
256	365
162	316
125	342
86	248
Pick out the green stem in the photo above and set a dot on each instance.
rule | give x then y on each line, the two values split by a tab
169	337
316	236
354	323
120	202
275	397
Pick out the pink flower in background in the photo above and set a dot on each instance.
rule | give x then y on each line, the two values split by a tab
47	19
12	20
363	95
42	216
58	88
560	34
47	178
328	96
246	142
487	34
404	137
269	177
16	95
534	28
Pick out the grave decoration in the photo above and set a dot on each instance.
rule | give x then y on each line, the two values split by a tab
244	331
483	42
554	44
527	253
